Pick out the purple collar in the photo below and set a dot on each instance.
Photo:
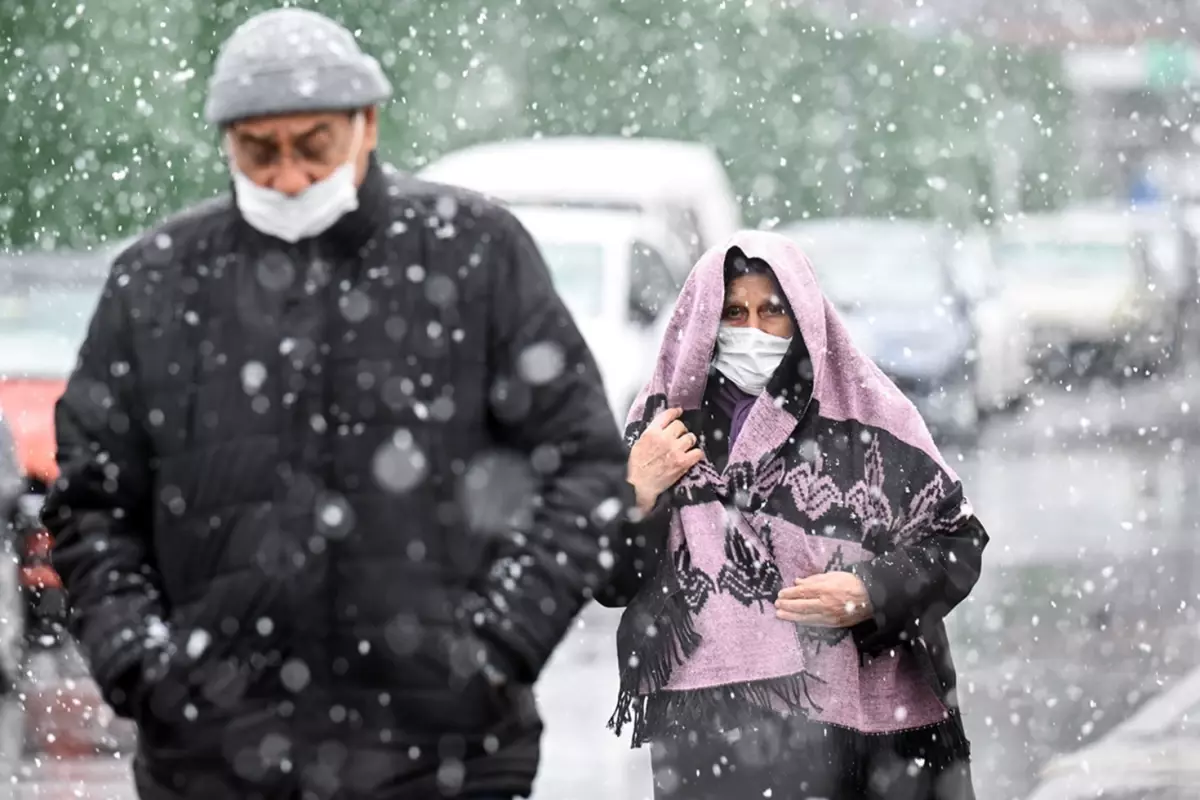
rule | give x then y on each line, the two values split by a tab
734	402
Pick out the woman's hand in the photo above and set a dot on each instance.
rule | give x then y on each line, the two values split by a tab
827	600
660	457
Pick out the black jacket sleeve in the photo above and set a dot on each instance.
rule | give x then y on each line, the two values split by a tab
548	403
913	588
99	509
642	543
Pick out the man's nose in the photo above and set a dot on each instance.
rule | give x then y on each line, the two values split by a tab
290	179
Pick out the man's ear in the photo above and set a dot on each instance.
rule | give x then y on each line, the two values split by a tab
225	143
370	128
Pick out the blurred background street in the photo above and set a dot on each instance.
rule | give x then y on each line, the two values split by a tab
1086	610
1002	202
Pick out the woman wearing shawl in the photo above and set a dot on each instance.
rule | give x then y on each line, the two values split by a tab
800	541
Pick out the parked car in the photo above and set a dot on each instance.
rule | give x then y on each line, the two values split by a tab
617	272
683	185
894	284
46	303
1154	755
1098	298
1003	374
1173	252
12	607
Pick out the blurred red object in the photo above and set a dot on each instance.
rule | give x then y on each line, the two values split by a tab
29	408
37	571
38	545
40	577
67	720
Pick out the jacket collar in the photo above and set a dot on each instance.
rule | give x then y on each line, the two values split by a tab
356	228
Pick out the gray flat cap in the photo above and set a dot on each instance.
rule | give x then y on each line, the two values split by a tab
291	61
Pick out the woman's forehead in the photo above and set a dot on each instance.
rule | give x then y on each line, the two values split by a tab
748	287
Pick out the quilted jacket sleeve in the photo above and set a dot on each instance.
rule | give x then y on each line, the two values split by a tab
914	587
98	510
642	544
548	402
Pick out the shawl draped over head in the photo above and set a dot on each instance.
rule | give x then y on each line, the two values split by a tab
833	466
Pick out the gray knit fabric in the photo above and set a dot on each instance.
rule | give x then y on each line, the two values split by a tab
291	61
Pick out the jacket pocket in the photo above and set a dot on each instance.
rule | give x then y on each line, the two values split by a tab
219	653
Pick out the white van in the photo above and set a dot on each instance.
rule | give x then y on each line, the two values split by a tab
682	184
616	273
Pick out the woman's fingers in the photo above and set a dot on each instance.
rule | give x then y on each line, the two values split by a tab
812	620
821	613
801	605
665	418
804	612
684	461
675	430
801	591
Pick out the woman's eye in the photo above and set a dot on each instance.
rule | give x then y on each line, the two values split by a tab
732	312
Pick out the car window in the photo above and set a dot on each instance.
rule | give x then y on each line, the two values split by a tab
686	224
652	287
577	269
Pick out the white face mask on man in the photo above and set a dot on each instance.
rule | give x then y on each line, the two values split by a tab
310	213
748	357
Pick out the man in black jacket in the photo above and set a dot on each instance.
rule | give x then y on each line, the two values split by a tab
337	467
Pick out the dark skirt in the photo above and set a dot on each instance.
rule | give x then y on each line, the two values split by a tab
792	758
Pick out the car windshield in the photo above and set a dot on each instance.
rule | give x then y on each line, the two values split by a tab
41	328
1064	260
876	271
577	269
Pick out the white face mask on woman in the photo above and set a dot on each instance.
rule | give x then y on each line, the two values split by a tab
748	357
310	213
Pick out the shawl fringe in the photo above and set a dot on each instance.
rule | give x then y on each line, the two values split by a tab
651	664
671	714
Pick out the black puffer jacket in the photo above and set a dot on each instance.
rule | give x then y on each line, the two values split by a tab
326	509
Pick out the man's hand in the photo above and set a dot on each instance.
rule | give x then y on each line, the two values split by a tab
828	600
